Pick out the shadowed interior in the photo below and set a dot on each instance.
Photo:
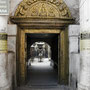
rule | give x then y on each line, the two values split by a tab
43	73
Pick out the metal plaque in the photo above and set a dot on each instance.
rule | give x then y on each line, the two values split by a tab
4	7
85	42
3	43
85	36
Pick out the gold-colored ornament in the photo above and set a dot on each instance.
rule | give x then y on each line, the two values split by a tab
43	11
58	9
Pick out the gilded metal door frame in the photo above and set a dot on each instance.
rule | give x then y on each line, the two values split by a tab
42	14
63	60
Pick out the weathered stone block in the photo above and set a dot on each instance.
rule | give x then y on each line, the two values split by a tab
74	30
12	44
73	44
12	29
74	62
74	69
3	71
11	68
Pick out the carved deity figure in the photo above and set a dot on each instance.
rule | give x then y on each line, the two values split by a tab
51	13
34	12
43	11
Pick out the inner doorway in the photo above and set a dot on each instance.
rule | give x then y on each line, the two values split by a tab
42	59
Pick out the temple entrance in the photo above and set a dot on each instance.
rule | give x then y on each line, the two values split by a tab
57	62
42	21
41	68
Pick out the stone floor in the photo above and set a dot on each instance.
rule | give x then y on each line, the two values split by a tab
44	88
42	76
42	73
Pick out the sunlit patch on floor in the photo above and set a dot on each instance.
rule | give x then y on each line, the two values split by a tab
42	73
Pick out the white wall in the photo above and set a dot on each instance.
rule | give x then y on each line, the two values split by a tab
73	6
74	55
85	15
13	5
84	83
12	32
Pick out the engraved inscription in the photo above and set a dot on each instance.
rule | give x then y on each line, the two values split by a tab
4	4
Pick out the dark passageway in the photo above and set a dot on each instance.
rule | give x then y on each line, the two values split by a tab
44	72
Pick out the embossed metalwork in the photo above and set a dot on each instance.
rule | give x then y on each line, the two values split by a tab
3	43
43	9
48	23
63	62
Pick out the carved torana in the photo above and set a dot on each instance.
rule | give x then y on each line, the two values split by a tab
43	9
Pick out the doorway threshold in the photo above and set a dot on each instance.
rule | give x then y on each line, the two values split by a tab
58	87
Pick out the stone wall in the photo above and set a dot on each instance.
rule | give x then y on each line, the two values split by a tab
74	55
12	32
73	6
4	85
84	83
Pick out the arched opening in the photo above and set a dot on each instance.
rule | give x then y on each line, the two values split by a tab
39	50
42	63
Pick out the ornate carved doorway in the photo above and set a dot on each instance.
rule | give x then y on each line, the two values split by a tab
42	17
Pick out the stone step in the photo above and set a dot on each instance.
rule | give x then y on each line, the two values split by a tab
44	88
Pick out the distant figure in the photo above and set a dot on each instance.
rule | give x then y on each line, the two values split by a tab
29	62
40	56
